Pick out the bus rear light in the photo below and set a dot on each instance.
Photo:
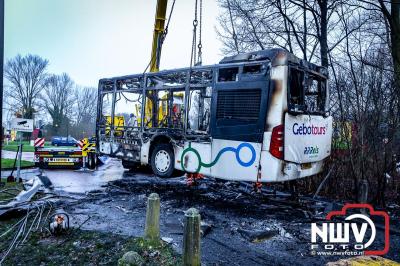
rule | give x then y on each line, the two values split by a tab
276	145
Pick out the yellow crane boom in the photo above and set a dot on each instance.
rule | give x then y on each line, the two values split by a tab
158	35
159	25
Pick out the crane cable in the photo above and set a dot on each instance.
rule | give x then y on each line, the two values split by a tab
194	39
168	21
234	36
197	60
200	45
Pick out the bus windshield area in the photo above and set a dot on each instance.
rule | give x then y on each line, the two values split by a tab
307	92
176	101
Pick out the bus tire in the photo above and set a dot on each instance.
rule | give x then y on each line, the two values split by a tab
162	160
92	160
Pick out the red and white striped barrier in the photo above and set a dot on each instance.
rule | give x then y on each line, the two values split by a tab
81	144
39	142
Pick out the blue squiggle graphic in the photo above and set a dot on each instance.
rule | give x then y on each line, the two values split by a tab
226	149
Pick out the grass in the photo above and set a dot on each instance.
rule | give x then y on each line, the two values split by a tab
11	185
13	146
79	247
9	163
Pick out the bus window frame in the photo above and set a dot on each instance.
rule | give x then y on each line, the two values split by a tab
122	97
322	82
203	97
238	74
170	91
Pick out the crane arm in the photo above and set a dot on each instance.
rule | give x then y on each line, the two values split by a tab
159	25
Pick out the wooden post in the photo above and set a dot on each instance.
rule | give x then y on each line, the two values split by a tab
152	228
191	238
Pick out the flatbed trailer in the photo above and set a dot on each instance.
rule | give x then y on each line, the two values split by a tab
63	158
67	157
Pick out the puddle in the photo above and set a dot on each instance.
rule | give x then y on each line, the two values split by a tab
80	182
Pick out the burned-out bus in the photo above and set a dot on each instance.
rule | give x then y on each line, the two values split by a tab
260	116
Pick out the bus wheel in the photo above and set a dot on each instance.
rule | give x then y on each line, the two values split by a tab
92	160
162	160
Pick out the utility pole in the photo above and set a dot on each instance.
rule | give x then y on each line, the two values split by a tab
1	69
304	30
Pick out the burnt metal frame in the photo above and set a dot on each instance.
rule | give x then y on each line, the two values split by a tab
200	77
317	72
169	80
188	79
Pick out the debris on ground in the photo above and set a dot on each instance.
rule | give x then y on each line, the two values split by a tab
257	236
59	223
205	228
23	197
32	206
123	209
168	240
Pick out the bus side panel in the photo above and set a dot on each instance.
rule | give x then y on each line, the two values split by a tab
307	138
192	157
105	147
278	98
271	168
144	153
276	170
235	160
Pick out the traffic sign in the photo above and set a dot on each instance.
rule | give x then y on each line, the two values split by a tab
22	125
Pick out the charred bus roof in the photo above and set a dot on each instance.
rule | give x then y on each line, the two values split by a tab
276	56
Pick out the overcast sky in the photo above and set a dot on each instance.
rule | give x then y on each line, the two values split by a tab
93	39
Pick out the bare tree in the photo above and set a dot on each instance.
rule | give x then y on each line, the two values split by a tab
85	109
86	104
359	41
58	101
26	78
299	26
389	12
395	36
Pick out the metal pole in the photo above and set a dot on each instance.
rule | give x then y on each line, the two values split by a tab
85	162
19	157
1	69
304	30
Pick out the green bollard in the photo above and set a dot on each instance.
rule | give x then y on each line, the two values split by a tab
191	238
152	228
